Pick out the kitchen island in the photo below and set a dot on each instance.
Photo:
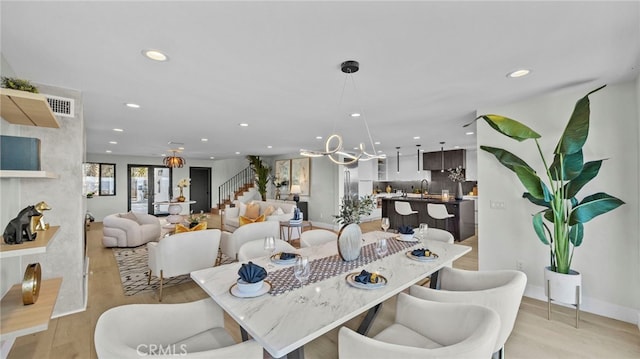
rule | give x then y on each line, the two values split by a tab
461	225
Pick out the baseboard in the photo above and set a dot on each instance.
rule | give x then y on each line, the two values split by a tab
5	347
591	305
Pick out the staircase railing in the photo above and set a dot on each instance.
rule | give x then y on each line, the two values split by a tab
228	189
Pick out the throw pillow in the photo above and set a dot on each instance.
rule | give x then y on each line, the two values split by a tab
129	215
269	211
253	211
242	206
245	220
180	228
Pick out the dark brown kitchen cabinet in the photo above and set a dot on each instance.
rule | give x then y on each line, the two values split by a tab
452	159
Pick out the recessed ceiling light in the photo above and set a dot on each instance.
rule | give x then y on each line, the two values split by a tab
164	155
155	55
269	146
244	125
355	115
118	130
456	146
318	137
113	142
211	157
355	148
376	143
204	139
379	151
132	105
518	73
108	151
416	137
469	133
237	153
181	148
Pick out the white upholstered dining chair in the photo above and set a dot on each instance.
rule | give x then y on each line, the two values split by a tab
230	243
427	330
500	290
440	235
185	330
182	253
316	237
255	249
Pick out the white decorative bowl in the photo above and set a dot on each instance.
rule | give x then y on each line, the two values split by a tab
406	237
248	288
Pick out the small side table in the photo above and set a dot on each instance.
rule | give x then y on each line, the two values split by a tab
290	227
175	208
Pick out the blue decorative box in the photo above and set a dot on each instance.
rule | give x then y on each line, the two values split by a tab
19	153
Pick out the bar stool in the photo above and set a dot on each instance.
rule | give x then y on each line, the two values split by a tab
404	209
439	211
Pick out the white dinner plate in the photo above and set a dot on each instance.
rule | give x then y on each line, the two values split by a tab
400	238
351	279
266	287
432	257
276	259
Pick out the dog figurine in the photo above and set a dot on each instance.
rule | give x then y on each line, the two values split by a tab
19	228
37	222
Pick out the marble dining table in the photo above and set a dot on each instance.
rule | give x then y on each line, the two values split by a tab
283	323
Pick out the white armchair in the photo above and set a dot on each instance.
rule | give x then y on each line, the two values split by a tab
500	290
230	243
122	230
427	330
255	249
316	237
186	330
183	253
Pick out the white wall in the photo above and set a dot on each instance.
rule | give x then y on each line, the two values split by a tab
609	257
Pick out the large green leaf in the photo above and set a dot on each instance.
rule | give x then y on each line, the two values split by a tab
548	215
593	206
538	226
510	127
539	202
589	171
577	130
505	157
533	183
572	166
576	233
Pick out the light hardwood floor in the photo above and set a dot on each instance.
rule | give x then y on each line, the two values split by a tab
533	336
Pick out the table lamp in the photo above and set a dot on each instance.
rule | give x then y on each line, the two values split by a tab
296	190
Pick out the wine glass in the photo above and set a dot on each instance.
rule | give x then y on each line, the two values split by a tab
422	231
384	223
381	249
302	271
270	247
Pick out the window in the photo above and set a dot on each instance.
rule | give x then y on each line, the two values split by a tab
99	179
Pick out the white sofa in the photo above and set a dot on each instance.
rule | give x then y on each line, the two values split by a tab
119	231
231	219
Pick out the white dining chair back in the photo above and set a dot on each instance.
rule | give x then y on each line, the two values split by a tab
316	237
185	330
440	235
499	290
424	329
255	249
230	243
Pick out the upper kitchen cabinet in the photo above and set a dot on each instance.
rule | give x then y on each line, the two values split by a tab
450	159
27	109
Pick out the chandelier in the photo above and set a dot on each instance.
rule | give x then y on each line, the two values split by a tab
174	161
333	147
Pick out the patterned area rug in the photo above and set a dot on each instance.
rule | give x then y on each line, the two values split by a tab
134	273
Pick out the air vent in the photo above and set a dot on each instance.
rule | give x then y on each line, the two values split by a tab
61	106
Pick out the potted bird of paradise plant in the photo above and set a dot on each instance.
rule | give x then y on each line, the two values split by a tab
560	224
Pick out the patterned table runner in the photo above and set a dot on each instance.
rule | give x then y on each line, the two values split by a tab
284	280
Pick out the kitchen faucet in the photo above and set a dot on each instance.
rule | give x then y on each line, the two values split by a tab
424	180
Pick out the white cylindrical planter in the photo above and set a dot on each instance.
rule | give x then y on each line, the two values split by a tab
564	288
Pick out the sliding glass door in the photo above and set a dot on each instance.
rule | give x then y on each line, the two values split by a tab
148	185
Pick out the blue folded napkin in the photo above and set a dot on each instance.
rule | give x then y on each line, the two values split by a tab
405	230
365	278
287	256
252	273
422	252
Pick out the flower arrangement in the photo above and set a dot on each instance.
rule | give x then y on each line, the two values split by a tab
184	182
456	174
197	217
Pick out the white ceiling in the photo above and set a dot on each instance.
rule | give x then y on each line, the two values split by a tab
425	67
